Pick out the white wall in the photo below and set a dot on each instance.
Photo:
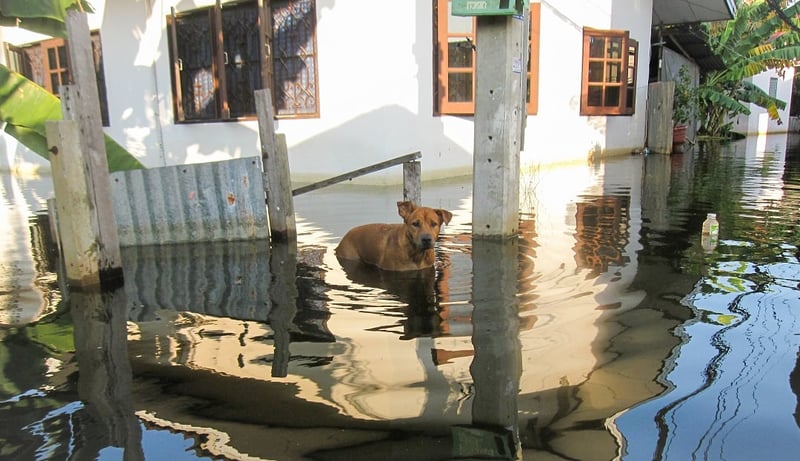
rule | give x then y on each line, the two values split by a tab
558	133
375	90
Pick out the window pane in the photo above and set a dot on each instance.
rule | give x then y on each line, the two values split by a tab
54	83
613	72
614	48
459	87
52	62
62	56
612	96
243	63
608	85
459	53
597	47
596	71
193	33
294	26
595	96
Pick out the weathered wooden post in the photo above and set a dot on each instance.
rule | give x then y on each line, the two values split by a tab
80	170
501	68
659	116
277	179
412	186
76	225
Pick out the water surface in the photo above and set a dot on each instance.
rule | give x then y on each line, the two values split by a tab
608	329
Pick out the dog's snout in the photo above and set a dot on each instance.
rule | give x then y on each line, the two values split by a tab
427	240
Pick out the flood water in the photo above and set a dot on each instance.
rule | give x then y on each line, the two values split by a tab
609	329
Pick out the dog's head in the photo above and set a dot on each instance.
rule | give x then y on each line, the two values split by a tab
422	223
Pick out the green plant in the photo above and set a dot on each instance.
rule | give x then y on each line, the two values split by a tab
684	103
24	105
763	35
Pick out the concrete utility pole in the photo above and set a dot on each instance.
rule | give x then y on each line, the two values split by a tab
500	108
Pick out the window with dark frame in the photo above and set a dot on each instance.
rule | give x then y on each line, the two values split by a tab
454	60
46	63
608	83
217	63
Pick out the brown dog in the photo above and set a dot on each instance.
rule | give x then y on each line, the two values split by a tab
396	247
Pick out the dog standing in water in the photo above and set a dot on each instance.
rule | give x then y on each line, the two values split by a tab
396	247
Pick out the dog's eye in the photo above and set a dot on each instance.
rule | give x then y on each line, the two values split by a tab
415	223
434	224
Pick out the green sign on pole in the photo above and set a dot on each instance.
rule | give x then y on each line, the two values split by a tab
487	7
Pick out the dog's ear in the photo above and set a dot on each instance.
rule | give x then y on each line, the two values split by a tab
445	215
405	209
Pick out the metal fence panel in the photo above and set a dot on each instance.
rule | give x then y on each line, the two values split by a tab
207	202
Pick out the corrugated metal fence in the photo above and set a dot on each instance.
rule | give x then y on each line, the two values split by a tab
212	202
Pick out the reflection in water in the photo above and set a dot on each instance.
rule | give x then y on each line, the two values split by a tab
605	330
497	366
601	232
727	381
105	378
417	292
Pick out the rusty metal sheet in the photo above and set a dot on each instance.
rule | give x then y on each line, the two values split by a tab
206	202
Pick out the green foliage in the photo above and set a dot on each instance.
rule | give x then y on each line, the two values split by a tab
24	105
684	104
43	16
757	39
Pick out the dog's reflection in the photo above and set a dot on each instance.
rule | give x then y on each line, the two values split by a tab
418	290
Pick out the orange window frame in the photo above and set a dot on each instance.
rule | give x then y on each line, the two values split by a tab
443	37
608	78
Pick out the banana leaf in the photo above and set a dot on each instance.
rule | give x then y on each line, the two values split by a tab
25	106
43	16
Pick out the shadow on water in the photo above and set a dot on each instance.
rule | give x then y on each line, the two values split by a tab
605	330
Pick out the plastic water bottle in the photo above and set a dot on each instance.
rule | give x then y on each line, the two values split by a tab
710	236
711	225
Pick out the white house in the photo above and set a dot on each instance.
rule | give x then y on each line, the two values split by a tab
356	81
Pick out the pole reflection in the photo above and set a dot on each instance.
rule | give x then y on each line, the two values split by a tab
497	365
104	384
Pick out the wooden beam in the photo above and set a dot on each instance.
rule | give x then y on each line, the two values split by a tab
359	172
277	179
81	103
412	186
659	116
78	234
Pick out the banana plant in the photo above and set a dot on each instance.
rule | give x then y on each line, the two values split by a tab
24	105
763	35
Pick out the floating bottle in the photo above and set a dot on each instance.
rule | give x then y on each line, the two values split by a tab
711	225
710	232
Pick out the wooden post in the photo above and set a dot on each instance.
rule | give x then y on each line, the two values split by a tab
277	179
81	103
659	116
499	114
412	187
79	239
